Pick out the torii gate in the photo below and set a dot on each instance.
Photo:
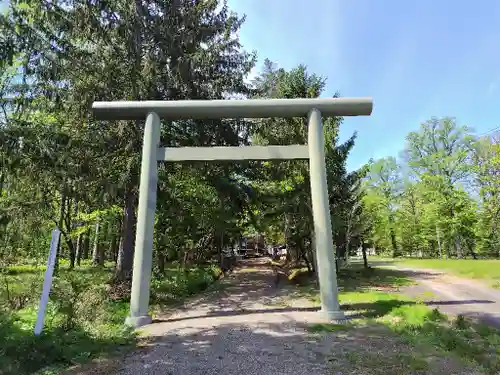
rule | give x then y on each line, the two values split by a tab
314	109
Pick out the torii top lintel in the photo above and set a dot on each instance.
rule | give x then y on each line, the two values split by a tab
216	109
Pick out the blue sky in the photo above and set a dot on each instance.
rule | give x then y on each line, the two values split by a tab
417	59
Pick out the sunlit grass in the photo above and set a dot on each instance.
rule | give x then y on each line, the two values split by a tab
481	269
426	330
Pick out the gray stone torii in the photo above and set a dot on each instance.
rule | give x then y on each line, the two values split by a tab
152	111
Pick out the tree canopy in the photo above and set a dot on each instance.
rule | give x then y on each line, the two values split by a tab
441	198
60	167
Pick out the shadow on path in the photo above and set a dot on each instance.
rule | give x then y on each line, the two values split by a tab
374	309
242	312
282	348
450	294
250	287
240	327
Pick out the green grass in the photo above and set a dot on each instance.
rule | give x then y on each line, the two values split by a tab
481	269
421	326
357	282
373	297
84	318
386	363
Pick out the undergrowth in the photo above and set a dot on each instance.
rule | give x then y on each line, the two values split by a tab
85	314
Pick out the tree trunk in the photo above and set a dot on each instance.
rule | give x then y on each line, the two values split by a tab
111	239
120	246
2	178
95	249
125	261
126	252
439	241
86	245
79	248
395	252
313	254
72	253
117	237
363	250
101	245
113	247
340	255
458	247
74	223
62	211
303	255
161	262
70	227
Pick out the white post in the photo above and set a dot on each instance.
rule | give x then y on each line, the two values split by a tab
325	255
143	255
438	241
47	282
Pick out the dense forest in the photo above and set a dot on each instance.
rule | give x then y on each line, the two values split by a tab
59	167
441	199
62	168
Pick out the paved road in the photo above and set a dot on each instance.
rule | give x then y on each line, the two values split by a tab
453	295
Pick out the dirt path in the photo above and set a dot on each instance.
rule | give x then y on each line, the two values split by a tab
242	327
236	329
454	295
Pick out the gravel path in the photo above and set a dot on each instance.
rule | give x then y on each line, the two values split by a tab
454	295
242	327
236	330
246	325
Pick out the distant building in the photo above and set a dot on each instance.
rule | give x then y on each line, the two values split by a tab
370	251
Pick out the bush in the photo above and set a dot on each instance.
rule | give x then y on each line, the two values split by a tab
78	301
82	320
17	291
23	353
181	283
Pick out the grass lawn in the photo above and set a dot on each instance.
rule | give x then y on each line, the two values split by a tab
85	317
482	269
392	334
